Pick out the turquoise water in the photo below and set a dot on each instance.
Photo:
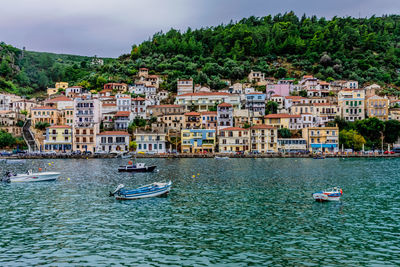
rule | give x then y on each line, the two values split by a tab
235	212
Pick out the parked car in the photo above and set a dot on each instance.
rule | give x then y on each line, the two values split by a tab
77	152
5	153
100	152
389	152
87	153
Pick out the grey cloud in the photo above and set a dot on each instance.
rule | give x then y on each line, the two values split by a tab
109	28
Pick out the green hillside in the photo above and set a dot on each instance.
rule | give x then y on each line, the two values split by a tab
363	49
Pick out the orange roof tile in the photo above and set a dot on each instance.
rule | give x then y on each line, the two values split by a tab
234	129
114	133
193	113
59	126
225	105
282	115
122	114
59	99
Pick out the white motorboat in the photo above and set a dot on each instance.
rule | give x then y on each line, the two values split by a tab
31	177
151	190
332	194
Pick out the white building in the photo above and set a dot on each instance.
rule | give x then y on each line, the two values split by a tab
203	101
150	142
112	141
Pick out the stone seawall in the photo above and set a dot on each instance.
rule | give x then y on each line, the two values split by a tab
276	155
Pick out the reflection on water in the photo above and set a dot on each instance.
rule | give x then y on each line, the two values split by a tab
236	211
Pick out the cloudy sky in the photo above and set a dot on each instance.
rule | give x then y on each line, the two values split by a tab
110	27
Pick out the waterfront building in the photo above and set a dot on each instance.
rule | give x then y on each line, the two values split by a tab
58	138
198	141
225	115
205	100
112	141
208	119
292	145
184	86
377	106
255	103
87	116
151	142
263	139
234	139
352	103
322	139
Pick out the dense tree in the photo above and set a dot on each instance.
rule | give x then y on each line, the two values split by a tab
284	133
351	139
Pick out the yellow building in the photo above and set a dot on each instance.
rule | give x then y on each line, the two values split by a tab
44	114
234	139
378	107
198	141
52	91
263	139
85	138
279	120
58	138
351	103
61	85
322	139
67	116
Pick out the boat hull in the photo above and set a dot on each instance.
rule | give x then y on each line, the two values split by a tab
321	197
162	192
35	177
144	169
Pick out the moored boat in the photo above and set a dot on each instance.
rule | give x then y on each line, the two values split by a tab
151	190
217	157
30	177
138	167
332	194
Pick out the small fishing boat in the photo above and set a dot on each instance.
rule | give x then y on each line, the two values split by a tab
319	157
150	190
332	194
124	156
138	167
217	157
30	177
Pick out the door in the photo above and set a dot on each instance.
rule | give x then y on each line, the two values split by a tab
150	147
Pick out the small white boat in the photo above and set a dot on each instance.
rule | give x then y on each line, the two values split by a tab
216	157
30	177
146	191
332	194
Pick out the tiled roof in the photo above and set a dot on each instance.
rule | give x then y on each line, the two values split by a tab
205	94
138	99
114	133
59	99
208	113
233	129
283	115
43	107
59	126
193	113
263	126
123	114
225	105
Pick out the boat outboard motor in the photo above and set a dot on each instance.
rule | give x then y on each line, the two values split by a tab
119	187
6	178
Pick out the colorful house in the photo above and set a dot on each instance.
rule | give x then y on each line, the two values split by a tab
263	139
58	138
198	141
322	139
234	139
112	141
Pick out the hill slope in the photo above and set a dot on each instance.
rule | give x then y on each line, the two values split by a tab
365	49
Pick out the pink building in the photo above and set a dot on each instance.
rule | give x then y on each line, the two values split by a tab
278	89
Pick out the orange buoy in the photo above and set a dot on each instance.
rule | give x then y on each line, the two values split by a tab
40	169
130	162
